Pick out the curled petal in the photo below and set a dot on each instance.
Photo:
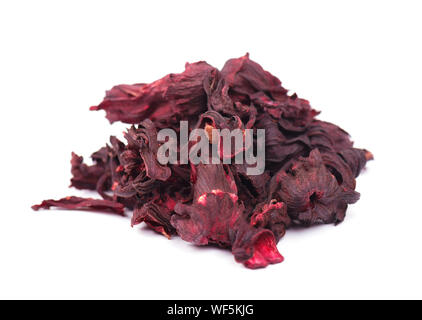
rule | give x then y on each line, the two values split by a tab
166	101
272	216
155	216
312	193
255	248
77	203
209	220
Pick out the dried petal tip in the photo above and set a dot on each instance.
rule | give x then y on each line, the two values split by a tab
265	253
368	155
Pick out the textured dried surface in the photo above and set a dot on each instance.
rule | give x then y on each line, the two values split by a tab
311	192
310	167
166	101
77	203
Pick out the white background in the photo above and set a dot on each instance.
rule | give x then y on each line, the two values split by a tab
357	61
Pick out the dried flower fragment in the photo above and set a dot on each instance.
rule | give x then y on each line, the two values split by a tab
77	203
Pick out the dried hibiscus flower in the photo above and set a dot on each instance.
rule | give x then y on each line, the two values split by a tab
309	175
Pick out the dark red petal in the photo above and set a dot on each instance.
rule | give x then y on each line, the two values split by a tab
264	253
77	203
157	217
166	101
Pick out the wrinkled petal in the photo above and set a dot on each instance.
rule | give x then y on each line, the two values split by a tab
311	192
166	101
256	248
84	176
144	138
157	217
209	220
272	216
77	203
